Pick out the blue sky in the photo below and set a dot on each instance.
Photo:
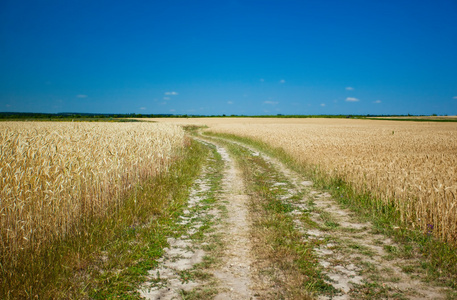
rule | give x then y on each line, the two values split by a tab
229	57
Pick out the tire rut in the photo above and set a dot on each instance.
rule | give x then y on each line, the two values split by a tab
168	280
233	273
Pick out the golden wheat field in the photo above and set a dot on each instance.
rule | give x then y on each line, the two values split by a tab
413	164
53	173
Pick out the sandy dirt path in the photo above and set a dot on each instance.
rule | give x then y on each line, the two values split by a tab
357	261
235	274
167	281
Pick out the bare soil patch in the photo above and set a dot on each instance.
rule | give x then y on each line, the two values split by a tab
235	273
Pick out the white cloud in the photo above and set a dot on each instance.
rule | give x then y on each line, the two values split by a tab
262	80
454	97
270	102
81	96
282	81
172	110
142	108
171	93
349	88
377	101
352	99
229	102
323	104
166	98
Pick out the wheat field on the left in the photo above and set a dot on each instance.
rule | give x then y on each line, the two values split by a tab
55	174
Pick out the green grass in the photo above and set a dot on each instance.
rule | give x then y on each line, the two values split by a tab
107	257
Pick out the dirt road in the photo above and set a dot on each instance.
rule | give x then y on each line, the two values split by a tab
258	230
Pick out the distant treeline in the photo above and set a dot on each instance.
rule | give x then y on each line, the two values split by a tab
91	117
74	116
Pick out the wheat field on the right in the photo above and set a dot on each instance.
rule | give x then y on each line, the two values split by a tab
412	165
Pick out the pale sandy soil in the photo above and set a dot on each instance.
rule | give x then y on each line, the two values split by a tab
235	274
181	255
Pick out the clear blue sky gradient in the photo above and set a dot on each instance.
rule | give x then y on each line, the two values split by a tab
229	57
